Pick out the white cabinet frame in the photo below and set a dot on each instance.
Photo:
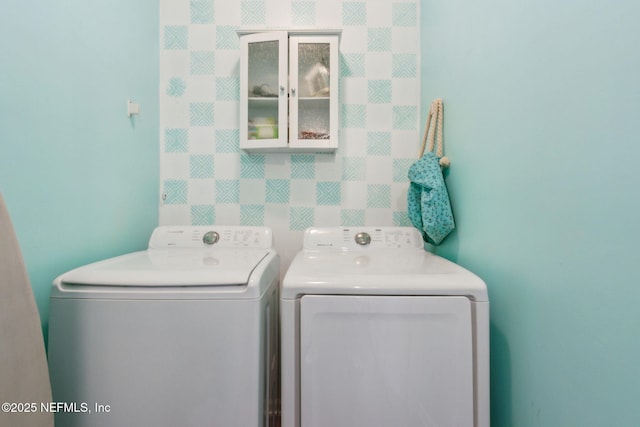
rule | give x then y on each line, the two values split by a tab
295	106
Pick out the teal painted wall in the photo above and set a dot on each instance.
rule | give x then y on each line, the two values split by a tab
541	103
80	179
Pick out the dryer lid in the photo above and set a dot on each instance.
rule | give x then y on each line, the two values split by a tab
408	272
171	267
375	261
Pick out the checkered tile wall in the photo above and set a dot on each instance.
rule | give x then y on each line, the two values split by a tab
206	179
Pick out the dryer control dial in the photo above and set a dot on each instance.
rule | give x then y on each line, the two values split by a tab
210	237
363	239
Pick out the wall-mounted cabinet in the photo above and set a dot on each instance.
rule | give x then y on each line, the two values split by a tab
289	91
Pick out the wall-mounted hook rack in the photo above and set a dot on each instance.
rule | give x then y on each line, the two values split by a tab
132	108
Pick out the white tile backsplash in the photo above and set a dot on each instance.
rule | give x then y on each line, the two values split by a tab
199	115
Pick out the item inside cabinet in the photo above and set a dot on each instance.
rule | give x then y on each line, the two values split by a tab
318	79
308	134
264	90
263	128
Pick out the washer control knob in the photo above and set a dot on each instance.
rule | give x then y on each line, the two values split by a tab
363	239
210	237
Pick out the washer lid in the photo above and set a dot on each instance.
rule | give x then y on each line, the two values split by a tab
171	267
378	272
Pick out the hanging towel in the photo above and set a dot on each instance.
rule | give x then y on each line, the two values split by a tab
428	200
24	375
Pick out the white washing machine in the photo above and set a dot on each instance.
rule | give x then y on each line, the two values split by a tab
182	334
376	331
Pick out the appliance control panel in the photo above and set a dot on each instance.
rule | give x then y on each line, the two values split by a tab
360	238
213	236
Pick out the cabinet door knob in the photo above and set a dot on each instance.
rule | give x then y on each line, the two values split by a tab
281	89
293	91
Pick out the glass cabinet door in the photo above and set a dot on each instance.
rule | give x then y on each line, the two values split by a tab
263	90
314	92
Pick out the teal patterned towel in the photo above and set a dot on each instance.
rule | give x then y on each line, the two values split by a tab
428	200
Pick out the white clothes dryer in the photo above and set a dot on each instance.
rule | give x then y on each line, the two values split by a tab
375	331
182	334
